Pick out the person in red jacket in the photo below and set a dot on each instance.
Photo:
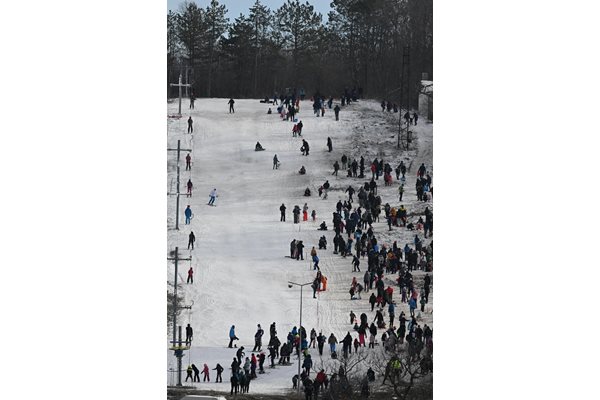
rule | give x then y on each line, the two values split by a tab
190	278
389	292
205	371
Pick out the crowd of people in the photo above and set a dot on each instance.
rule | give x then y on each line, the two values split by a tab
387	268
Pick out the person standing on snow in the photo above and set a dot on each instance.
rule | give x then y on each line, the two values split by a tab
190	125
219	370
320	342
231	102
282	210
191	240
336	111
305	212
189	334
190	372
258	338
421	171
332	342
188	215
329	144
188	162
275	162
189	188
190	278
213	196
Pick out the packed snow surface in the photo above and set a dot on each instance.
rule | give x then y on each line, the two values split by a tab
239	261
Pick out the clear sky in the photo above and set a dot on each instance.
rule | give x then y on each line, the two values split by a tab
235	7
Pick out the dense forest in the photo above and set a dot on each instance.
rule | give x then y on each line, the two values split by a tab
359	46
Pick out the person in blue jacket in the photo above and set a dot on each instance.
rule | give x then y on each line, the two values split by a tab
232	336
188	214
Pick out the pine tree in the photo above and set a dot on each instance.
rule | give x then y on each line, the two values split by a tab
298	25
216	26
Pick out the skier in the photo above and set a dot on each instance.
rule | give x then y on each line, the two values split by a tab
329	144
189	188
188	162
190	278
189	334
213	196
190	125
275	162
282	209
231	103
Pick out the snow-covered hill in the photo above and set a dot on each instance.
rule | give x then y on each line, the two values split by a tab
241	271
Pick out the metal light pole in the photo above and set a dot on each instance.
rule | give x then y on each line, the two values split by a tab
300	327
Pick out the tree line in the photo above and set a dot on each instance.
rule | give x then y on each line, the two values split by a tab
266	51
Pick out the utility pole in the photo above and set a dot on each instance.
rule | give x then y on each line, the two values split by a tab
178	150
403	131
180	85
290	284
177	346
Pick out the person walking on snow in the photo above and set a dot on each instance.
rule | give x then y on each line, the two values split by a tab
188	215
219	370
188	162
190	125
190	278
213	196
196	373
336	111
231	102
232	336
275	162
189	188
206	372
192	239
